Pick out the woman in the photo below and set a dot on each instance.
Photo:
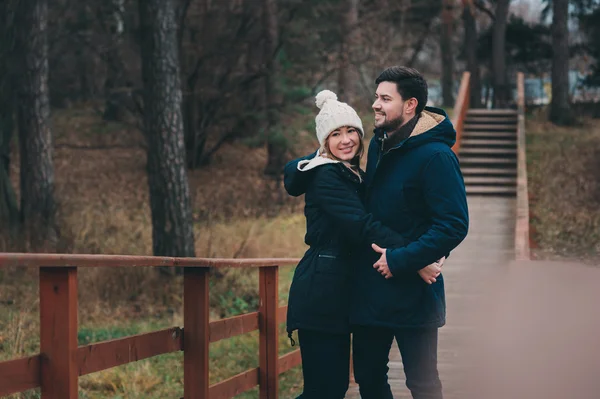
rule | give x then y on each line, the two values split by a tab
337	226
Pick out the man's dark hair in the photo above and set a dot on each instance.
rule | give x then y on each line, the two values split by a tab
409	83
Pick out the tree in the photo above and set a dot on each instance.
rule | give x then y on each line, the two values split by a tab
35	135
560	108
501	87
9	209
470	48
114	84
447	57
275	140
347	74
172	229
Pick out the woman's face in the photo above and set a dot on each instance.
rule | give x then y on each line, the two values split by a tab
343	143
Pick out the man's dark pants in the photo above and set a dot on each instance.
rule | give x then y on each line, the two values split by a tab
325	364
418	347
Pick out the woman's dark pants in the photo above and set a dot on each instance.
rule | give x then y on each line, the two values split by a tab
325	364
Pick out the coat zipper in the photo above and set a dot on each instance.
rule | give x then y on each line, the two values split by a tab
385	136
327	256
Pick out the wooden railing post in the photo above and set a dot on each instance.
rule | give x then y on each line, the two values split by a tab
196	333
461	107
269	339
522	236
58	332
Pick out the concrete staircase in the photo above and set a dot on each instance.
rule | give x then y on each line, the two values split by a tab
488	152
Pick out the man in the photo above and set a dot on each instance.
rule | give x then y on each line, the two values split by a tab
414	185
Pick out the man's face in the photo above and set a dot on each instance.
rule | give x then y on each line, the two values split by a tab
388	107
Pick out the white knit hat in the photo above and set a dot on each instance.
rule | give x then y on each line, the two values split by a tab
333	115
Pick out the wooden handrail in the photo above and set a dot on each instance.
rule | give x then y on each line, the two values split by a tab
522	235
76	260
57	368
461	106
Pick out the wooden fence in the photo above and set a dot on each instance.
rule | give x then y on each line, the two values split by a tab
56	369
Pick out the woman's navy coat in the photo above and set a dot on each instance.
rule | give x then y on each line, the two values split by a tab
336	226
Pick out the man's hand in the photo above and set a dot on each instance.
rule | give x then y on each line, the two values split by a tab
381	265
430	273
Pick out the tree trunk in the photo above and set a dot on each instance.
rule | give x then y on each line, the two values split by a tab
447	56
347	77
471	52
35	136
172	228
9	209
560	107
501	88
276	146
114	86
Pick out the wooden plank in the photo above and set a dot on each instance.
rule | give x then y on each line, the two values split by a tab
113	353
268	341
289	360
79	260
196	333
58	332
241	324
232	326
235	385
19	375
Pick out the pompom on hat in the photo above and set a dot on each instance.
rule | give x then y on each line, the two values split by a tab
333	115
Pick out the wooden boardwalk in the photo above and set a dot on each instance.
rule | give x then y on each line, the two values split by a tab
488	247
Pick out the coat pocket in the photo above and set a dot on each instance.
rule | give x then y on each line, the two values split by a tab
329	291
328	264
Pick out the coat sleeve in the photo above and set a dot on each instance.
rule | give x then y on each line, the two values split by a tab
445	197
342	204
295	181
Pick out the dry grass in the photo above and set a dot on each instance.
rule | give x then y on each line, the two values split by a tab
564	185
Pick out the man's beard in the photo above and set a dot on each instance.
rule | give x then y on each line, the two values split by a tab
391	125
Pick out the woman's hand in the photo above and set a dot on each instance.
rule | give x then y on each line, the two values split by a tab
430	273
381	265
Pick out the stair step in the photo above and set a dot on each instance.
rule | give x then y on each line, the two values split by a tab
491	142
490	127
467	159
491	120
488	172
466	151
490	180
487	151
491	191
488	162
491	112
489	135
